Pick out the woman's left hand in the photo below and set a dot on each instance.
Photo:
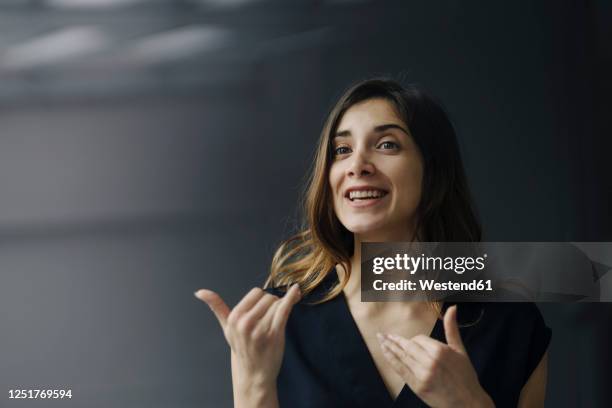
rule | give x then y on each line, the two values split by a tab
440	374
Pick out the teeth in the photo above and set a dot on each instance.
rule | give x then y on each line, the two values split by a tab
366	194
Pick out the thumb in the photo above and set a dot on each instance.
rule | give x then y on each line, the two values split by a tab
216	304
453	337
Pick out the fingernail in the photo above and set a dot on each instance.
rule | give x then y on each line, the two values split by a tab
393	336
380	337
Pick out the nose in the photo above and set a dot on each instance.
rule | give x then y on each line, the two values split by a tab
360	165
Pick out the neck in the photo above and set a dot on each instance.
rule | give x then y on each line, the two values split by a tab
352	290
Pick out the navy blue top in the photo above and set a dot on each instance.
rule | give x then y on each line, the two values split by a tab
328	364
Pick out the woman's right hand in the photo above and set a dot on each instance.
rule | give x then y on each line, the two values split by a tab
255	332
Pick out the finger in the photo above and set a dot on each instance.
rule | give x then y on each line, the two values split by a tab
432	347
421	337
453	336
396	357
216	304
286	305
265	323
247	302
266	320
416	357
260	308
417	371
417	352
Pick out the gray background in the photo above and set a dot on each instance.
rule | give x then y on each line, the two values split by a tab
130	178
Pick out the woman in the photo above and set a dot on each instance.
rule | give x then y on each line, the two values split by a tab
387	168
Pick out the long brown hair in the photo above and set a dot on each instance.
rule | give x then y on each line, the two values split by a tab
445	212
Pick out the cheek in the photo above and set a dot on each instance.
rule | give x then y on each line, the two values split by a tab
334	179
411	184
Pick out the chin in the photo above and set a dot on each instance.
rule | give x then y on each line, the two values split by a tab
362	228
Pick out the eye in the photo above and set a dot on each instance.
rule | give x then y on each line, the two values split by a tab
341	150
387	145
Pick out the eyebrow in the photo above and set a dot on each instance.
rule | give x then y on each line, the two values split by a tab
377	129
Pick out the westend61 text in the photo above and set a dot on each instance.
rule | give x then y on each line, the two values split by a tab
430	284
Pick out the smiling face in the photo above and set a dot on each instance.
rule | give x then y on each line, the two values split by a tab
376	172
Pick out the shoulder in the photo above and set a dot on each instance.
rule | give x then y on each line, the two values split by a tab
519	320
276	290
317	293
307	299
509	331
514	315
511	309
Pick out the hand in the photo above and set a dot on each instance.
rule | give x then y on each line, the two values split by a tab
440	374
255	332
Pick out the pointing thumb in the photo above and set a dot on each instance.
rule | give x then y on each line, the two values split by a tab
216	304
453	336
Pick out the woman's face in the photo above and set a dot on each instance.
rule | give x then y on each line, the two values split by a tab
376	172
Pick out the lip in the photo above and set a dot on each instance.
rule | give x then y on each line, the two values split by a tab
364	203
363	187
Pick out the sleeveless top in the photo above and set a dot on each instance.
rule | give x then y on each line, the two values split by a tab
328	364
